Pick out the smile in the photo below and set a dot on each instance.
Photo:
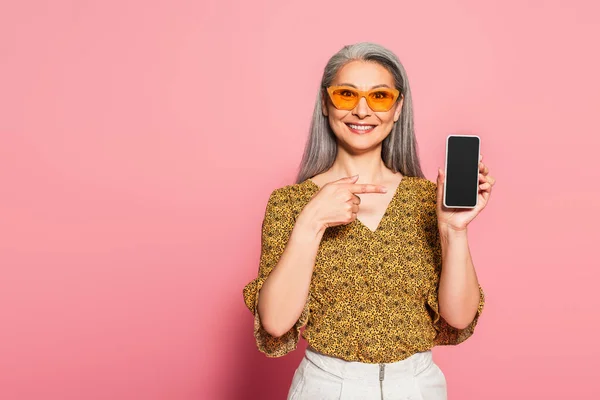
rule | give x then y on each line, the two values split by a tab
361	129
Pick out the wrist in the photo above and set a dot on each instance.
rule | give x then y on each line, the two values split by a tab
309	224
449	232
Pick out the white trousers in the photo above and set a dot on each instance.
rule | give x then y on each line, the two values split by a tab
320	376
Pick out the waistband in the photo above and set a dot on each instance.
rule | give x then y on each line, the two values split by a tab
410	366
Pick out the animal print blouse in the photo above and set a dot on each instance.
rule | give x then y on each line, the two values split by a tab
373	295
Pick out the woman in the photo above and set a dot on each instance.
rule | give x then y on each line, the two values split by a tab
355	249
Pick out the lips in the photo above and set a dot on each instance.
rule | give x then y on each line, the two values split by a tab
360	129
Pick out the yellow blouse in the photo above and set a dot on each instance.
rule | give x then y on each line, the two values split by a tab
373	294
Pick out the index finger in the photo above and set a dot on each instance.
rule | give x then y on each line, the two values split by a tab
366	188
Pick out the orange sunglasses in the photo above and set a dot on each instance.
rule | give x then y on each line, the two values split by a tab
347	97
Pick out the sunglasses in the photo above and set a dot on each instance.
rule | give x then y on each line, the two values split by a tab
347	97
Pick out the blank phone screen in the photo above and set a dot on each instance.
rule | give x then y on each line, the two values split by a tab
462	171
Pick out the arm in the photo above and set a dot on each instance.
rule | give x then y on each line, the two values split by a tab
458	292
284	293
280	296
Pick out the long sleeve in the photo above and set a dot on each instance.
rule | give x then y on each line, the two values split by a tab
277	226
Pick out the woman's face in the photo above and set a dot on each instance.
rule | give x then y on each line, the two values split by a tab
364	75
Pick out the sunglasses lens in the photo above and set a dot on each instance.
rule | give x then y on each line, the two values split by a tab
344	98
381	100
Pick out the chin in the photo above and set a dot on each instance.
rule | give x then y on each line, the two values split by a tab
361	144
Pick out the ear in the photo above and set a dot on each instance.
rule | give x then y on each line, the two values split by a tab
324	104
398	108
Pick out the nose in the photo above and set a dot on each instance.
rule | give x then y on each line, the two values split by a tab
362	109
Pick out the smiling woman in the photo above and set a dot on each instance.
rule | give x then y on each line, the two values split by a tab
358	260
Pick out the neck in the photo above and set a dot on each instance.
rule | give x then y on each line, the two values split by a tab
368	165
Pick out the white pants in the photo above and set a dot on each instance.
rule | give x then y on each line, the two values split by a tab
320	376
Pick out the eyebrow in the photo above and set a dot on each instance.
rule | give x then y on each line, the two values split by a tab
354	86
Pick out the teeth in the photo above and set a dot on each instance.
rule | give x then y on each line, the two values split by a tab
361	127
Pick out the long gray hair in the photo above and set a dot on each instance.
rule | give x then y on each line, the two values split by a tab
399	149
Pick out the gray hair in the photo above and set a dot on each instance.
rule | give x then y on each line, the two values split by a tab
399	149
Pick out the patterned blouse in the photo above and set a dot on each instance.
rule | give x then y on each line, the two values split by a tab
373	294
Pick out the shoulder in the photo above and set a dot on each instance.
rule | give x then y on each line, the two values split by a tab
279	198
288	191
422	187
291	197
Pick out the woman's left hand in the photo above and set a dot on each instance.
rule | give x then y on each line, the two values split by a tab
458	218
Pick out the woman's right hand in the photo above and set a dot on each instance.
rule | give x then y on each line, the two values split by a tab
336	202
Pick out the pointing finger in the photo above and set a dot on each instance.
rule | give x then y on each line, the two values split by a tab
367	188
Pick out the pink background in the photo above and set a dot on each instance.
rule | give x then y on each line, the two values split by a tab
139	141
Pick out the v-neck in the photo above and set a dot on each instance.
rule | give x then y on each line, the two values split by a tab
387	208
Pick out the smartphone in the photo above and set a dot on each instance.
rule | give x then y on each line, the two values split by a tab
461	184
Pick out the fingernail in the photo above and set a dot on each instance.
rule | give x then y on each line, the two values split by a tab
384	189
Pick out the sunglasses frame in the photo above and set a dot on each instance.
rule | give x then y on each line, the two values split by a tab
365	94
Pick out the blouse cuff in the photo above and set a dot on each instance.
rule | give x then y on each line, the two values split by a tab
446	333
266	343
